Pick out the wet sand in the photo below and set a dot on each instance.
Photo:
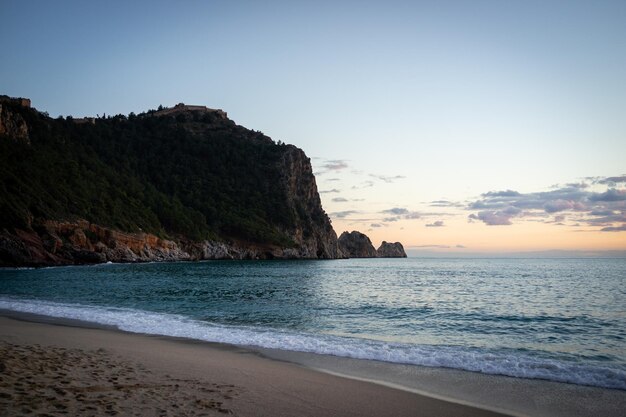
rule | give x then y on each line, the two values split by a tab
51	369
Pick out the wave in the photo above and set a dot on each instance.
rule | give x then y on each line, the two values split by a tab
514	364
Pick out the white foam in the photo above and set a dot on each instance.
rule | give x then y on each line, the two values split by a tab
510	364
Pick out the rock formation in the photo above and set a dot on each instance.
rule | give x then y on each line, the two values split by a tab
356	245
312	230
192	185
391	250
80	242
185	183
12	124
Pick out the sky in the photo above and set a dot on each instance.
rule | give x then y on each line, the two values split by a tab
453	127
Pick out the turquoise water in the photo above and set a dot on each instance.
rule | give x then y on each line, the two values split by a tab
556	319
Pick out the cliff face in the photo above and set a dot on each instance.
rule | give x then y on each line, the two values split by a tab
311	230
65	243
391	250
182	185
356	245
13	125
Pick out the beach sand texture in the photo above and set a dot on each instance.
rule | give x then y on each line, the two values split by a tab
38	380
71	371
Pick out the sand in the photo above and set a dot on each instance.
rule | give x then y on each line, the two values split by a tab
59	367
51	369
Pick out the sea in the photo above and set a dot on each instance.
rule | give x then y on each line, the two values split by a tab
552	319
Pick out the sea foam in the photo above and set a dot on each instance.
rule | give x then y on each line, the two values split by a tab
511	364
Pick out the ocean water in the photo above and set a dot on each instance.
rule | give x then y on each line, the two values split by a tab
555	319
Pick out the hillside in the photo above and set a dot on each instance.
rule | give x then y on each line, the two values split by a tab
179	183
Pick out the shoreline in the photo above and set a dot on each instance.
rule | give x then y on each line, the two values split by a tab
470	390
209	378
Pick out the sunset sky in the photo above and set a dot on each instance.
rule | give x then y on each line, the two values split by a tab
451	126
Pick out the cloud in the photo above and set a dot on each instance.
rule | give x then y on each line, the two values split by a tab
496	218
595	207
611	194
400	213
387	179
343	214
332	179
376	225
602	212
339	200
580	185
332	165
396	210
607	220
612	180
621	228
438	223
334	190
445	203
503	199
507	193
436	247
554	206
365	184
335	165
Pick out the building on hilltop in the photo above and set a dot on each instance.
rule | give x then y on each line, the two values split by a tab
181	107
83	120
24	102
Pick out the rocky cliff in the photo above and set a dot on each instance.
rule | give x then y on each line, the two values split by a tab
12	124
181	185
391	250
313	233
60	243
81	242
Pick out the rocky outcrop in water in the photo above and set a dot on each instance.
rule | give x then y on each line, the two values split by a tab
356	245
391	250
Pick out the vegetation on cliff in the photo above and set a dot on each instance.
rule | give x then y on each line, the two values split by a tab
192	175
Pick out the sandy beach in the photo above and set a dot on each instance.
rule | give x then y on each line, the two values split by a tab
62	367
50	369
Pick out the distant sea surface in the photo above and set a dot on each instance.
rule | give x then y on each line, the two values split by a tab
555	319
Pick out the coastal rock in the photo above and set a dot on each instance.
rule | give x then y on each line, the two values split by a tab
356	245
311	229
391	250
209	250
13	251
81	242
221	192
